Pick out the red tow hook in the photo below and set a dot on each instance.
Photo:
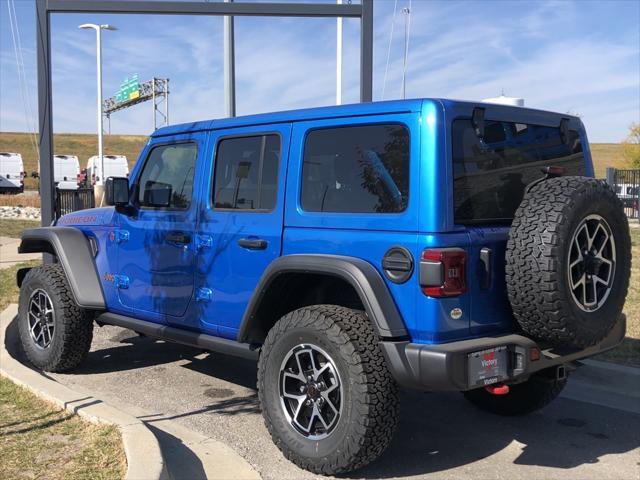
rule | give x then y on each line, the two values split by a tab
499	389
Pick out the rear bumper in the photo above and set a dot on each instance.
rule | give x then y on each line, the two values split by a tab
444	367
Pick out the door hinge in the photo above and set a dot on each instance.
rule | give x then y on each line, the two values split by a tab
204	294
119	236
121	281
203	241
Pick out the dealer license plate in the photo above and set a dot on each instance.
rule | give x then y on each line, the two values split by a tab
488	366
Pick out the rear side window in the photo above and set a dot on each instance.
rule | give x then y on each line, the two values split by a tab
166	181
246	173
360	169
490	175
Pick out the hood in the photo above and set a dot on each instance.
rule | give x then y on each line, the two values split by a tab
90	216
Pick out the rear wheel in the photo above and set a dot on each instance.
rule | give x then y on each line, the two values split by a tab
327	397
568	261
55	333
527	397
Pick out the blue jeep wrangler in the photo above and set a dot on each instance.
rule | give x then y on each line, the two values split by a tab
430	244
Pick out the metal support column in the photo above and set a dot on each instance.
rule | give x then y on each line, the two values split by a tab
166	101
47	192
153	101
366	52
229	9
229	66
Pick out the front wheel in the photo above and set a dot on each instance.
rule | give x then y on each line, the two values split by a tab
55	333
327	397
523	398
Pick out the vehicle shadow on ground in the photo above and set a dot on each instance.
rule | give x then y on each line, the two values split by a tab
436	432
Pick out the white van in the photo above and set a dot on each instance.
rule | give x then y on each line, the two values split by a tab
66	171
114	166
11	173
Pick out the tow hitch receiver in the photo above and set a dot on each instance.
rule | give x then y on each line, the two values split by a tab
500	389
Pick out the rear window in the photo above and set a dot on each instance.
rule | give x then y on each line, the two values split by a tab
358	169
490	175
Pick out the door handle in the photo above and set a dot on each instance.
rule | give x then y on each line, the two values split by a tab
253	243
178	238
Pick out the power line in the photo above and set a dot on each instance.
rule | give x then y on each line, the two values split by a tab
386	68
22	77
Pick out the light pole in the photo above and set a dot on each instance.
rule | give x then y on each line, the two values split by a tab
98	29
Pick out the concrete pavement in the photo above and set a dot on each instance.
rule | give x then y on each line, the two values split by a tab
9	255
580	435
156	447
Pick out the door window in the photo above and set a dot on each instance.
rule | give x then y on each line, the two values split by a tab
246	173
359	169
166	180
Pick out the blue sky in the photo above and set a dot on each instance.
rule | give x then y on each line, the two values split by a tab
581	57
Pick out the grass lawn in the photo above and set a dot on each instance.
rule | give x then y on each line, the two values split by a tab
39	440
629	352
8	289
13	228
607	155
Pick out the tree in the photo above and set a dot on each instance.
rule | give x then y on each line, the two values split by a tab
631	146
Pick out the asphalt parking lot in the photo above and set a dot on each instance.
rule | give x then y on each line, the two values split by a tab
439	436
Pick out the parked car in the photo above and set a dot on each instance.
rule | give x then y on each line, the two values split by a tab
114	166
351	250
11	173
629	194
66	172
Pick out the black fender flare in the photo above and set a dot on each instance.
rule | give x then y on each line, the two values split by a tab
360	274
70	246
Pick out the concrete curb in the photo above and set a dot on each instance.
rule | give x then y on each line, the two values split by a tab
144	457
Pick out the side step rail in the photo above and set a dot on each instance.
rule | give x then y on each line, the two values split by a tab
177	335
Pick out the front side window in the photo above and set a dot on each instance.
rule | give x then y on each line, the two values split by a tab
359	169
166	180
246	173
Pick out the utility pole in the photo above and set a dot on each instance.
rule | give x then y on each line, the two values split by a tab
229	66
98	29
339	58
407	31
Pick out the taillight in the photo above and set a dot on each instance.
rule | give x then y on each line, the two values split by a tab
442	272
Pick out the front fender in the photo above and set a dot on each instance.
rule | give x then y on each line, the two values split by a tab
72	249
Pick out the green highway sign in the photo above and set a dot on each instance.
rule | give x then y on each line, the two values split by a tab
129	89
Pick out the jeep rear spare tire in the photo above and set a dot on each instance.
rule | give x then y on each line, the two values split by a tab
568	261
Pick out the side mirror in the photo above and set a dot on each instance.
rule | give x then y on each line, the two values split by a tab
116	191
157	194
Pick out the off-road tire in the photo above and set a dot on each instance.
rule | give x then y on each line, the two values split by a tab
523	398
73	329
370	404
537	261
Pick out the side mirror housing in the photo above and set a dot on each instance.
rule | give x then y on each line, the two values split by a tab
116	191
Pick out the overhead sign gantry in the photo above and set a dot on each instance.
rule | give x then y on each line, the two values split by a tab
132	92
